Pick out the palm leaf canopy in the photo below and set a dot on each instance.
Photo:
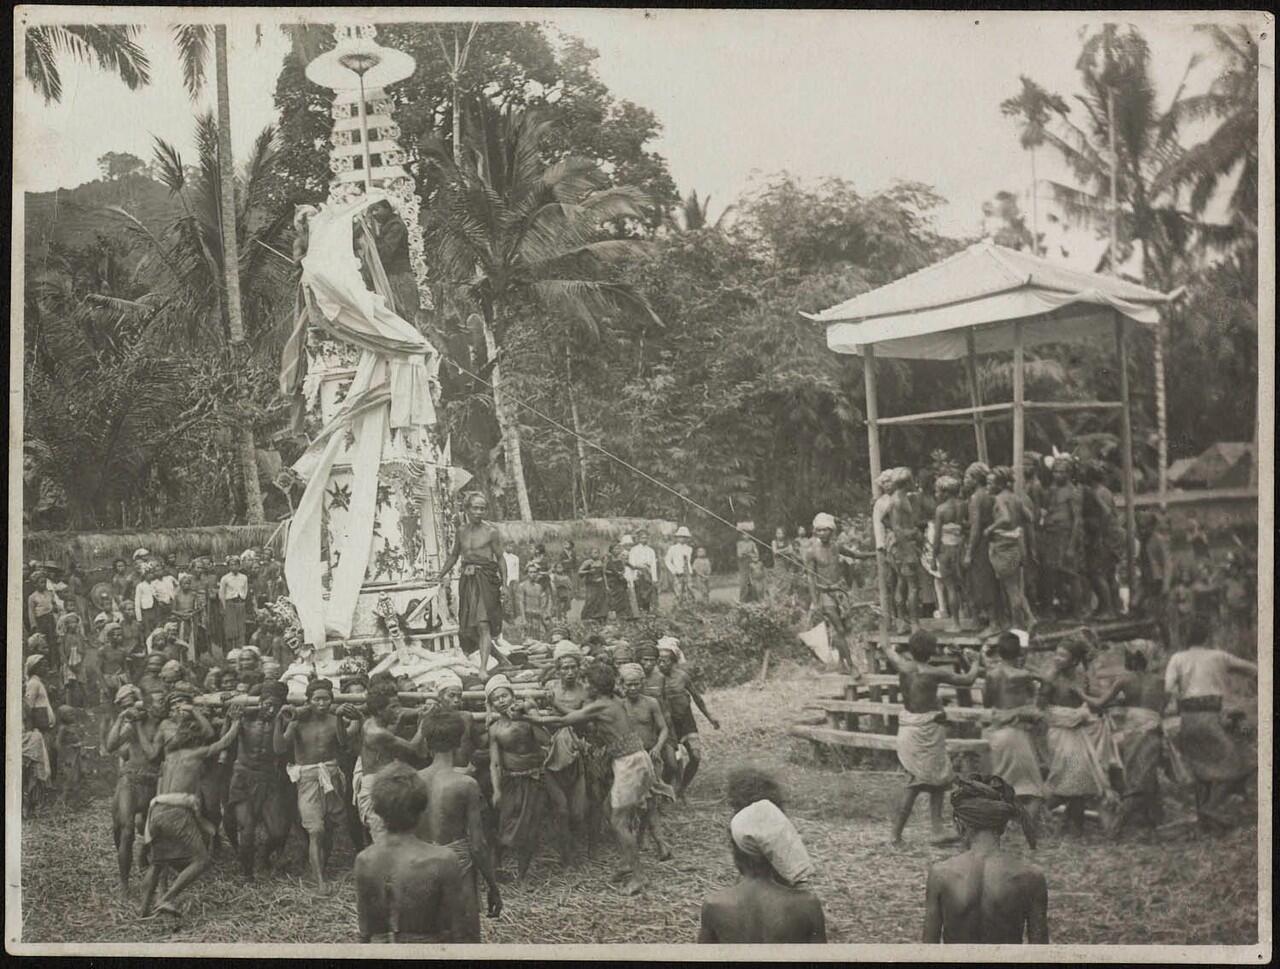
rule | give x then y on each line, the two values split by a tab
111	47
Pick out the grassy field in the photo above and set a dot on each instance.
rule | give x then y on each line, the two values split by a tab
1174	888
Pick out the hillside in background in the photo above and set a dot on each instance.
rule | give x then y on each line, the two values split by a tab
74	216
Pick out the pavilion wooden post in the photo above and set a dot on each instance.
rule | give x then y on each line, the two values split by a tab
1126	453
975	395
873	459
1019	428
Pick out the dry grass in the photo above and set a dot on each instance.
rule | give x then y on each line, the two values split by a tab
1179	890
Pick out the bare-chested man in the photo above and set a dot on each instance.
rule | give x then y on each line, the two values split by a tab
651	724
482	580
680	696
177	834
407	890
771	901
380	745
1141	693
566	764
453	818
517	759
633	775
313	737
948	526
1010	535
1009	691
985	894
132	736
257	793
827	591
1062	539
922	727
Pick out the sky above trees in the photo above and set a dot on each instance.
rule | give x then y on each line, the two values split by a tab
870	97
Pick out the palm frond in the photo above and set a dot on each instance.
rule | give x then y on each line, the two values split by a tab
193	42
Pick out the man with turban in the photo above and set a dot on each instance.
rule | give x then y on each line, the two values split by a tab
886	482
827	591
481	582
134	738
649	721
983	588
771	902
986	894
1009	537
1009	691
679	696
517	759
1062	539
948	530
258	791
903	521
313	737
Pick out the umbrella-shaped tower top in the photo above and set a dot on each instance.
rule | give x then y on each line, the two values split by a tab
366	150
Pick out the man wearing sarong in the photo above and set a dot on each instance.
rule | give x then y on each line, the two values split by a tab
258	792
679	563
313	737
517	765
986	894
634	778
643	562
408	891
481	582
680	696
1081	747
379	746
1102	535
177	835
1198	679
133	739
1009	691
983	587
233	596
453	818
828	594
595	605
566	761
1142	696
948	527
885	485
922	726
650	722
771	902
42	607
1008	535
904	550
1062	539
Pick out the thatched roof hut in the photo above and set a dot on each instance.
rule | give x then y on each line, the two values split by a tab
94	551
584	531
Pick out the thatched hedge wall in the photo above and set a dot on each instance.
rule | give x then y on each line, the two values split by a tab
95	551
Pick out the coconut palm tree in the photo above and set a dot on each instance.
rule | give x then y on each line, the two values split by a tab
1034	106
113	47
515	231
695	214
193	41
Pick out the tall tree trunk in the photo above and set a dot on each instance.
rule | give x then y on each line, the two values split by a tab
246	448
1162	414
508	427
577	427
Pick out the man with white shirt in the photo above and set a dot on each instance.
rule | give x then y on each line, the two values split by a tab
165	587
679	562
144	600
642	562
1197	678
233	594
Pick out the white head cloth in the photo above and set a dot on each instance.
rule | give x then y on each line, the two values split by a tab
762	830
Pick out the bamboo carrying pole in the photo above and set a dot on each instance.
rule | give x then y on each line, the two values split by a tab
1019	411
873	459
522	691
1126	452
975	395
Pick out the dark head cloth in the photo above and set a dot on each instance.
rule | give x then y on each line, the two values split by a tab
987	803
275	689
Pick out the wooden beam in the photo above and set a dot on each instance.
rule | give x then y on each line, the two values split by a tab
927	416
975	395
876	741
873	460
1126	453
960	714
1066	405
1019	413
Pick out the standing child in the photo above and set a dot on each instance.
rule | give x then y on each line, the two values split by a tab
561	591
68	743
702	575
185	602
531	600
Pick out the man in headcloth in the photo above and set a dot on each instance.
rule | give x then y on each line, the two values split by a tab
904	550
480	584
650	723
313	737
948	527
133	739
379	746
827	592
986	894
680	696
258	789
1198	678
177	834
1102	535
565	764
1062	538
454	815
1008	535
885	483
771	902
517	758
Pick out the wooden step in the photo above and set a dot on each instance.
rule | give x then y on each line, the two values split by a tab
875	741
974	714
